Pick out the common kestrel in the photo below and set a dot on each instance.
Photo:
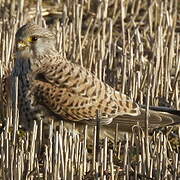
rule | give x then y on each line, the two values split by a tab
48	83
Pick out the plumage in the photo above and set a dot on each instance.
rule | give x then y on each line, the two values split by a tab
50	83
68	88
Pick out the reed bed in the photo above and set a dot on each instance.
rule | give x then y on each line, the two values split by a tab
133	46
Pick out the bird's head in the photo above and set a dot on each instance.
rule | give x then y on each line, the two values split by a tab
33	40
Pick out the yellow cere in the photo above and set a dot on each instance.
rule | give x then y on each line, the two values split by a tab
22	44
29	39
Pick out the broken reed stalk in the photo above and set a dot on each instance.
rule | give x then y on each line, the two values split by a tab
97	136
62	149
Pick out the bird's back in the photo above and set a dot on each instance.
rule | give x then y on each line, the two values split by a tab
76	94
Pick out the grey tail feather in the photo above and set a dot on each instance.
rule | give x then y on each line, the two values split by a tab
162	109
175	113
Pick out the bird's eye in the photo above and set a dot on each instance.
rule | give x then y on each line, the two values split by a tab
34	38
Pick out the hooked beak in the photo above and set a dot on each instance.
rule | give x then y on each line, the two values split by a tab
21	45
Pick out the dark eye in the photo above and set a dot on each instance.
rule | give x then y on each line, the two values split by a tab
34	38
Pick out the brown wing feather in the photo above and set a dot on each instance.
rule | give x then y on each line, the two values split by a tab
67	88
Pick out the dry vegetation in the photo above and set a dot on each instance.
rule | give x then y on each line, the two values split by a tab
132	45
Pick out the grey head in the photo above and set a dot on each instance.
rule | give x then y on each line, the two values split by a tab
32	40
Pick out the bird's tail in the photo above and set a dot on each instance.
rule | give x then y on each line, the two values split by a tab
157	117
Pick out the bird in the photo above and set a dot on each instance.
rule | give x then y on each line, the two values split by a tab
51	85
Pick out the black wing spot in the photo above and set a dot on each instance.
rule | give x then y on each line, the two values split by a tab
41	77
